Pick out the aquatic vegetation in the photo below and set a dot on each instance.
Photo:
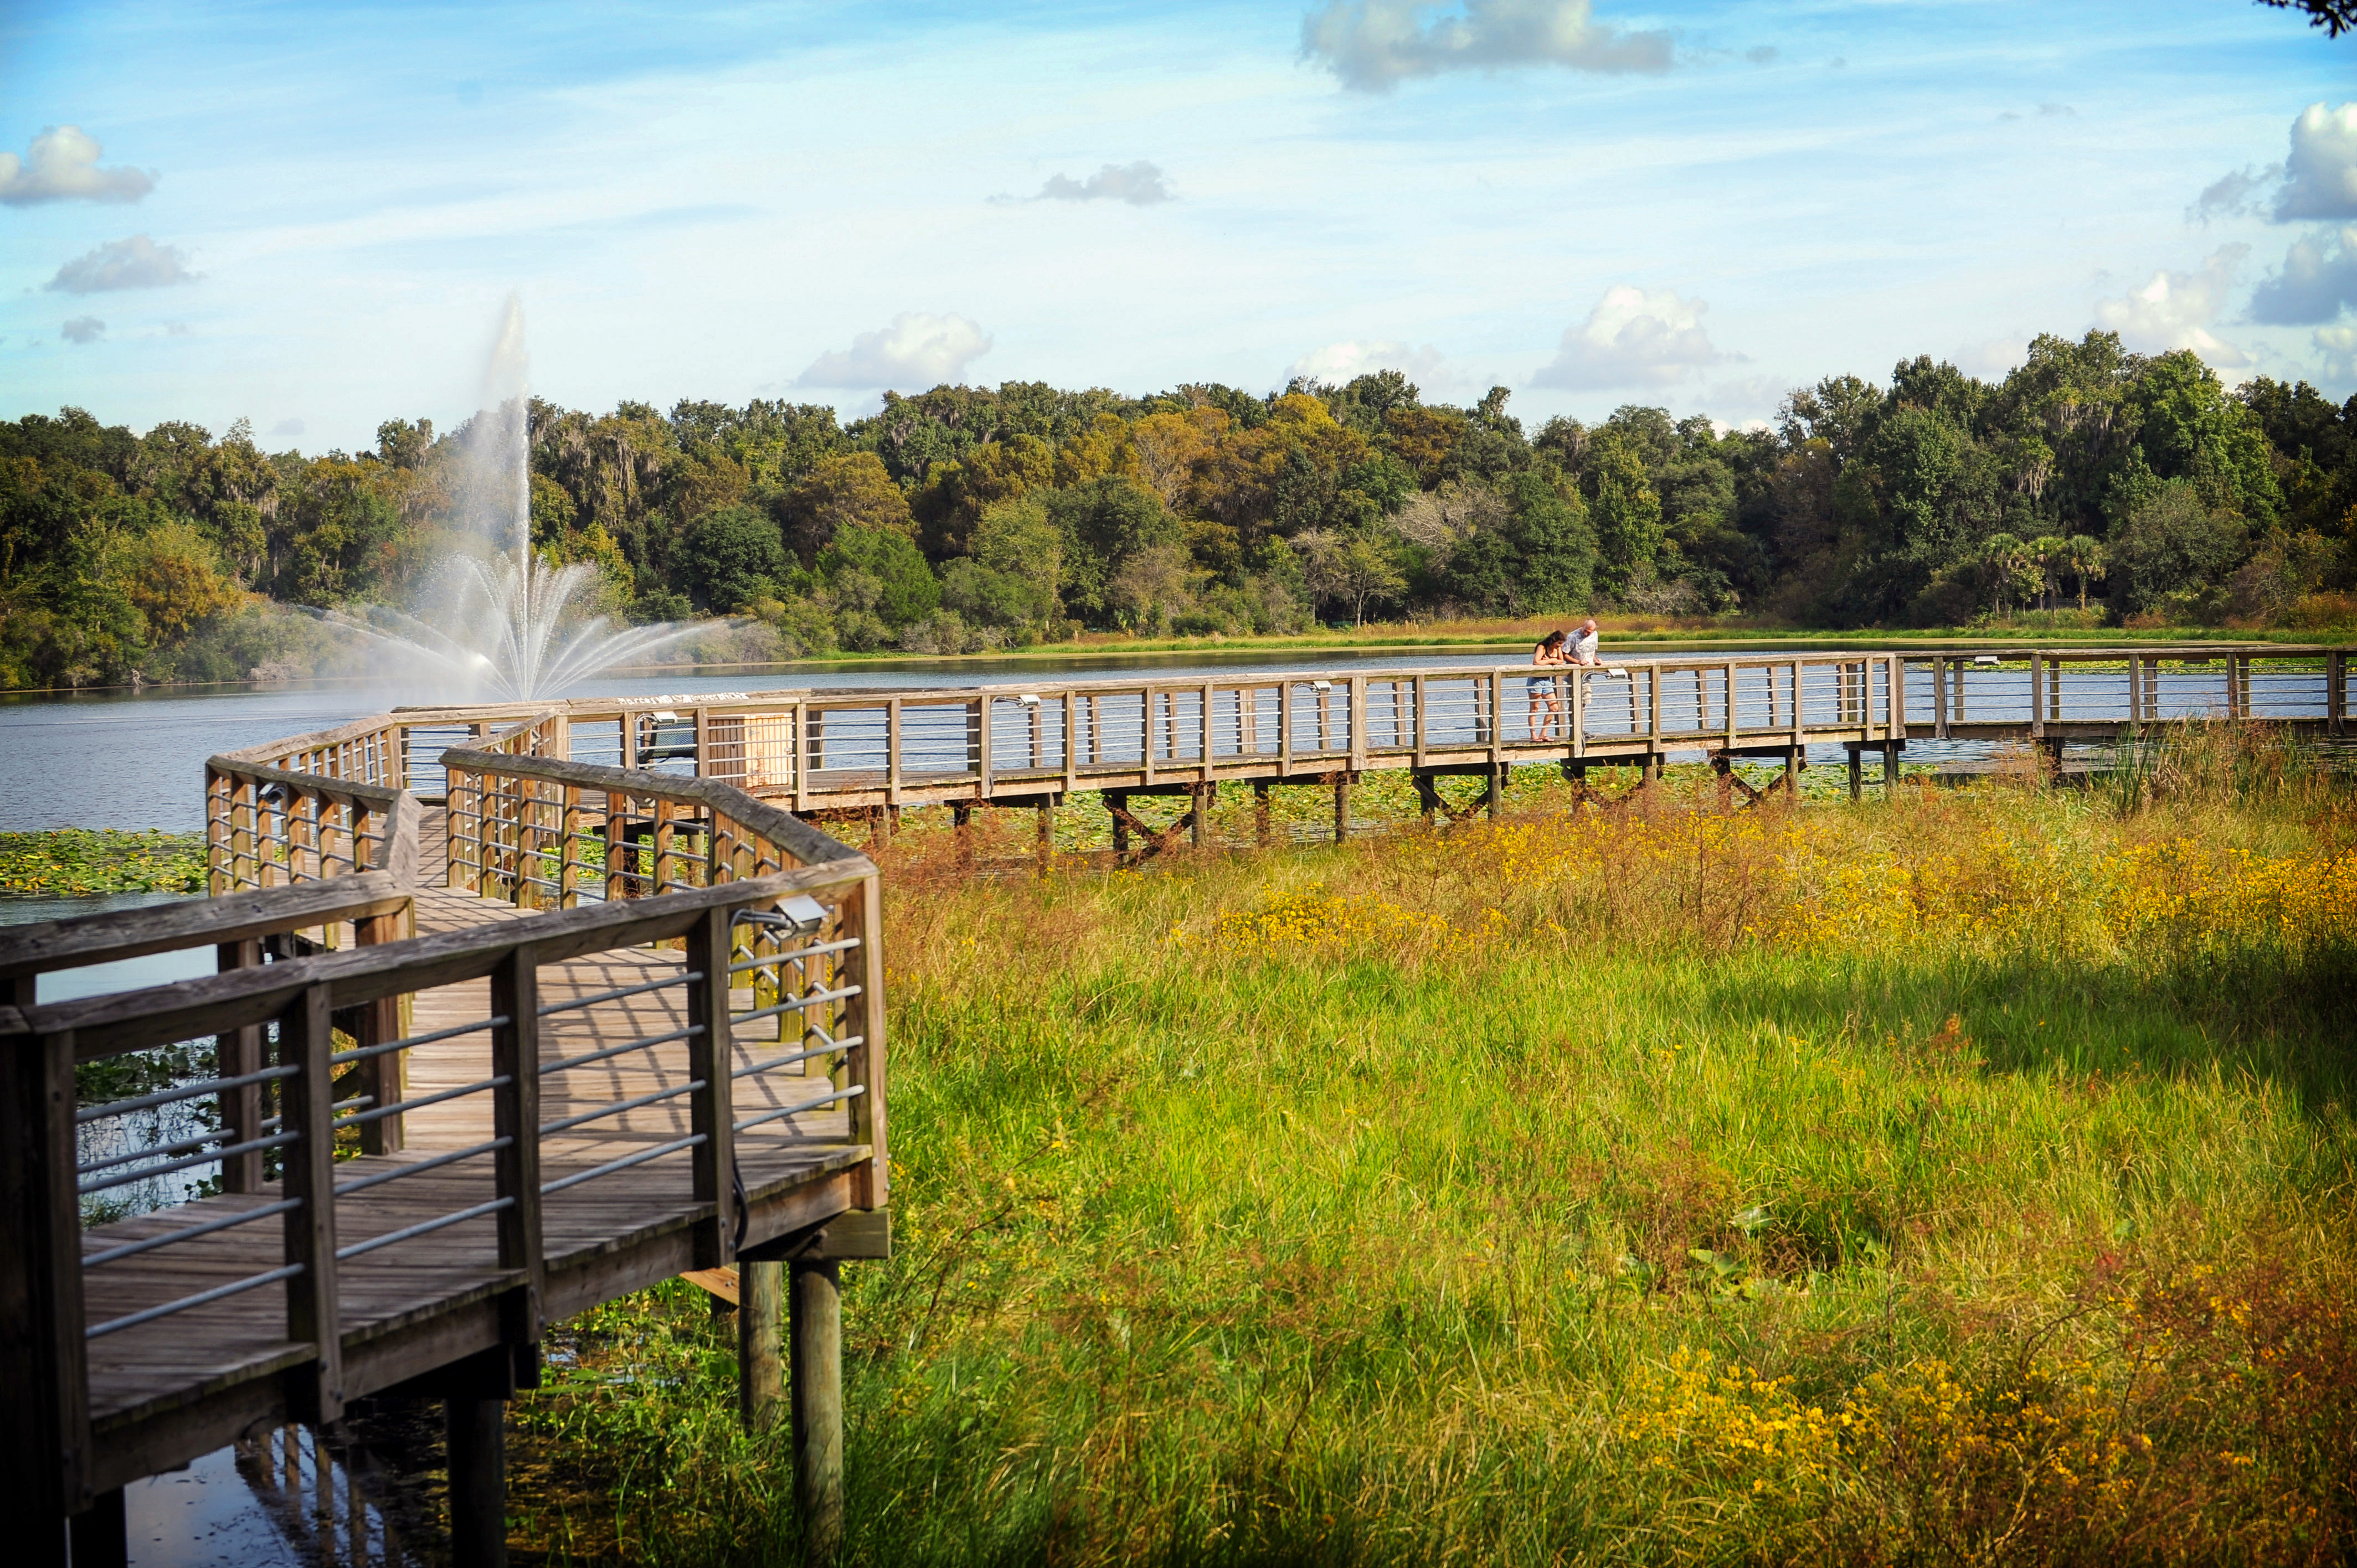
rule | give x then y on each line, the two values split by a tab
78	862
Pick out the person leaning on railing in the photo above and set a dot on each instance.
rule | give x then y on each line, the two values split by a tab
1546	701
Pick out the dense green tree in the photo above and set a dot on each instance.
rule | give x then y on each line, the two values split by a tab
899	586
730	557
2173	544
1624	509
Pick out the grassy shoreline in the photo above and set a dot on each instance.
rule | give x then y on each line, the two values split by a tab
1961	1174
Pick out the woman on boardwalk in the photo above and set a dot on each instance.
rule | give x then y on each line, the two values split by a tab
1546	701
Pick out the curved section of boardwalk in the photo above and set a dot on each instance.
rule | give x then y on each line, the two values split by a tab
444	1121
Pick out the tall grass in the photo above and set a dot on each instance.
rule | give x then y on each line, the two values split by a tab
1961	1176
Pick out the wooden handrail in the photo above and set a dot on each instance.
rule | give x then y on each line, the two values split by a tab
807	844
135	1020
53	945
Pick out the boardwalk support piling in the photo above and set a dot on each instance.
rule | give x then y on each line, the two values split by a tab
474	1426
815	1331
1856	769
760	1363
1341	808
101	1537
1264	831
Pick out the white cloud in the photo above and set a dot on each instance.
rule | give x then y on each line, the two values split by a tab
137	263
62	165
2320	174
1337	363
2339	346
1633	338
83	330
1140	183
288	428
2229	195
2319	275
1374	44
2174	309
917	351
1991	358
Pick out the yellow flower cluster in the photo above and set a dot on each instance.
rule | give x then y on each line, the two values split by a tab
1320	922
1727	1422
2174	897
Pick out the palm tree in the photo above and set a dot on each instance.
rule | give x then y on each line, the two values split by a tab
2083	557
2047	550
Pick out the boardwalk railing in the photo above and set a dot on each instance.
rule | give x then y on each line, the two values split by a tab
821	750
545	833
145	1344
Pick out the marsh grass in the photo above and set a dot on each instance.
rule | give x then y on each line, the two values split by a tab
1960	1176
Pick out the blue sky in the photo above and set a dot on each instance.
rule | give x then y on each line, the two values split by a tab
310	214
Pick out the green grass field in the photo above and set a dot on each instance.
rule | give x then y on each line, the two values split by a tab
1961	1176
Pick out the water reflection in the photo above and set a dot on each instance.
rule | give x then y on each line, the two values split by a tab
361	1498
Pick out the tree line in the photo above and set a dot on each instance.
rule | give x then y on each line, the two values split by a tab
2091	483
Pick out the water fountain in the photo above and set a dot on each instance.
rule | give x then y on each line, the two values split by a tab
501	623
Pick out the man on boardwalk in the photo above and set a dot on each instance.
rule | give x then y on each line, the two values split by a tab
1583	645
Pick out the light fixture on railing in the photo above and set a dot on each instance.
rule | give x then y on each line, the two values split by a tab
1030	698
1321	685
801	915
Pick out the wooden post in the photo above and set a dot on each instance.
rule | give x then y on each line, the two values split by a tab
815	1345
661	881
2335	691
981	757
1792	758
1145	733
475	1429
804	734
1341	808
1200	813
1071	742
1420	736
618	850
1357	718
237	1053
515	1116
1264	831
760	1362
711	1055
2036	695
101	1537
892	751
1939	697
306	1108
45	1441
961	830
381	1020
1117	801
1890	766
861	915
1047	837
1496	801
1857	775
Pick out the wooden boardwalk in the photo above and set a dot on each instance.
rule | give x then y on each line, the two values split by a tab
489	1120
819	751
